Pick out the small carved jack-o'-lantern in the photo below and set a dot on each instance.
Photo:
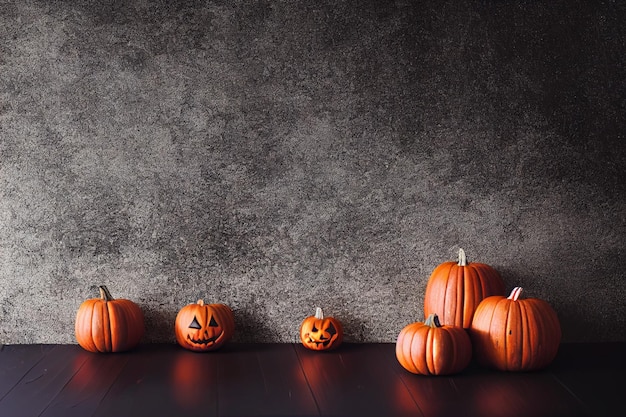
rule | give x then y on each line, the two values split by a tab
202	327
321	333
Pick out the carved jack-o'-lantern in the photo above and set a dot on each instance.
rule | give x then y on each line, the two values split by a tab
203	327
321	333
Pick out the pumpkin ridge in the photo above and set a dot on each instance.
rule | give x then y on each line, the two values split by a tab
400	348
500	331
515	347
115	324
83	325
133	322
449	294
460	296
434	299
439	350
422	350
430	347
408	350
528	337
105	342
471	285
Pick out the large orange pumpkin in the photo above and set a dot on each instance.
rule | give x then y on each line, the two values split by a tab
513	334
202	327
321	333
432	349
108	325
455	289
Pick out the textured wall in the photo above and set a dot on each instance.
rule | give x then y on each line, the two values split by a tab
276	156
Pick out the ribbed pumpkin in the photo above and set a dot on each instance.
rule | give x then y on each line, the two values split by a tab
513	334
432	349
321	333
455	289
202	327
106	324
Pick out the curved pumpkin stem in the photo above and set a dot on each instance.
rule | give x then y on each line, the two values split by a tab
515	293
200	302
462	258
319	314
105	294
433	321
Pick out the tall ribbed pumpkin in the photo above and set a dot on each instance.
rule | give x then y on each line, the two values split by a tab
513	334
106	324
455	289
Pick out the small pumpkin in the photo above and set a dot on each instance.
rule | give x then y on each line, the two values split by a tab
321	333
106	324
203	327
513	334
455	289
430	348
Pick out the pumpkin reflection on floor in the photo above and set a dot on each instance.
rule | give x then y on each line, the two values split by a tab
520	394
192	373
94	372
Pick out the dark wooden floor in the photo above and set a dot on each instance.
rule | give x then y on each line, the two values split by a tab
288	380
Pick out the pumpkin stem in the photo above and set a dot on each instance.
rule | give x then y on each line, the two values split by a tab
318	313
515	293
462	258
105	294
433	321
200	302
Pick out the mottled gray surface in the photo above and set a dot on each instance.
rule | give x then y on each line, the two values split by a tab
277	156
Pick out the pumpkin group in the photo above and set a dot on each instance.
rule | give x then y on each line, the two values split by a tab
321	333
108	325
430	348
455	289
203	327
513	334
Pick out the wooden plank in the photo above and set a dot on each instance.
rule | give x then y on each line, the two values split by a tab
81	396
287	379
355	380
515	394
16	361
594	373
263	380
482	392
163	380
434	395
43	382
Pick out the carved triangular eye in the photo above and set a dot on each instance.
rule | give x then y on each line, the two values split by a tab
213	323
331	330
194	324
314	329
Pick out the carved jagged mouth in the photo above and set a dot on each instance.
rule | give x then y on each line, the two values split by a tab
324	343
208	341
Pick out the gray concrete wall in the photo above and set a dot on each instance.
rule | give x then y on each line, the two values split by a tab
277	156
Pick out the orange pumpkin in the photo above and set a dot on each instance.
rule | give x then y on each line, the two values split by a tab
108	325
430	348
202	327
513	334
455	289
321	333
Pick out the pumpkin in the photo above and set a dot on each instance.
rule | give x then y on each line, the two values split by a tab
106	324
455	289
513	334
430	348
321	333
202	327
